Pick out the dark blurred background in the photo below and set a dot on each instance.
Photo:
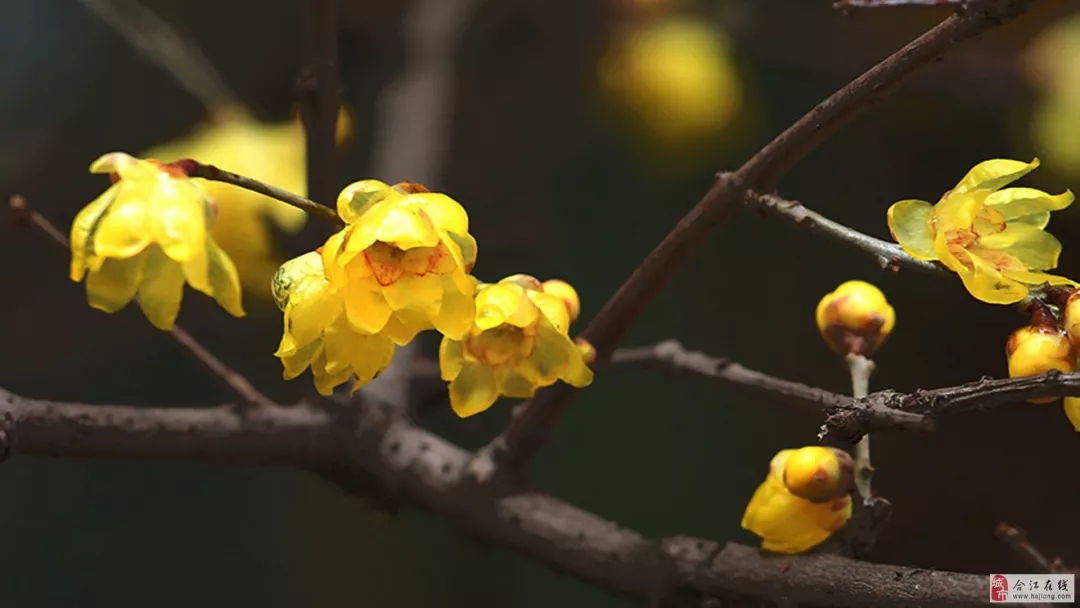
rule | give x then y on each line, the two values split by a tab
560	182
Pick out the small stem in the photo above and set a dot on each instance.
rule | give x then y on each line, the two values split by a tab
235	381
196	169
861	368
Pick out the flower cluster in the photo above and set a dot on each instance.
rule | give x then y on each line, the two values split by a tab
993	238
806	496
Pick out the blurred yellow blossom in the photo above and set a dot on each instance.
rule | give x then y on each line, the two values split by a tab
855	318
403	260
1072	411
273	153
676	74
317	334
788	523
1037	349
992	238
518	343
1054	59
146	235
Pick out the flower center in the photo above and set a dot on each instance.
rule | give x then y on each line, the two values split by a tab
389	263
503	344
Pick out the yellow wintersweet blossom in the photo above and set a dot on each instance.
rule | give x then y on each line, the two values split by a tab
147	235
677	75
403	260
317	334
273	153
1072	411
993	238
1037	349
787	523
518	343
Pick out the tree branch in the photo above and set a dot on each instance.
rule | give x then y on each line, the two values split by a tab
530	429
320	98
367	448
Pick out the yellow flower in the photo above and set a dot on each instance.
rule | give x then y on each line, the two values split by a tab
317	334
819	474
518	343
992	238
403	261
273	153
1072	411
855	318
1037	349
677	74
787	523
1070	319
565	292
146	235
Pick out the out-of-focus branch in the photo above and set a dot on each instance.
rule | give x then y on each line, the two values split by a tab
157	41
369	449
530	429
1017	539
235	381
320	98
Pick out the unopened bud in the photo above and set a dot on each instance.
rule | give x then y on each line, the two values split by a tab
855	318
1072	411
587	350
565	292
1070	318
1037	349
819	474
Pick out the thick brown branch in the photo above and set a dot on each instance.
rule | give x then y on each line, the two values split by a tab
320	97
368	449
530	429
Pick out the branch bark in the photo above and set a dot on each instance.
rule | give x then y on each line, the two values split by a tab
530	429
369	449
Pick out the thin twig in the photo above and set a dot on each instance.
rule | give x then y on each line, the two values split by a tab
887	254
240	385
1017	539
369	449
891	3
861	368
196	169
157	41
319	88
531	428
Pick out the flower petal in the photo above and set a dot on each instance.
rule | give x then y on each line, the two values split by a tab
451	359
1038	278
420	293
554	309
178	217
445	212
1033	248
1015	203
213	273
994	174
312	308
124	230
473	390
909	224
366	308
989	285
455	316
294	364
356	198
111	287
162	288
82	231
1072	411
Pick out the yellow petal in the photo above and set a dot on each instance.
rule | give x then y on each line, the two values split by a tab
957	211
789	524
403	326
294	364
504	303
363	355
1032	247
334	258
1015	203
82	230
517	386
358	197
326	382
555	356
420	293
221	280
946	257
162	288
994	174
178	218
406	229
554	309
124	230
291	273
312	308
111	287
455	316
450	359
989	285
466	247
366	308
1037	278
126	166
473	391
445	212
909	224
1072	411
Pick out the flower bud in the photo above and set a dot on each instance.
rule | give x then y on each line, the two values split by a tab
855	318
358	197
587	350
1072	411
565	292
1070	318
819	474
1037	349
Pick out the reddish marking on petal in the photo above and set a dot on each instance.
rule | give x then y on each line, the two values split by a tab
410	187
114	176
438	254
385	273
